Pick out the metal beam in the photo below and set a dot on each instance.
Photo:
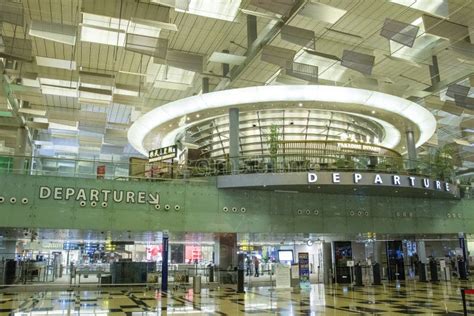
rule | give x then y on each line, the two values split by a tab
269	33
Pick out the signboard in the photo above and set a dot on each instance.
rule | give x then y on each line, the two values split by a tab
70	246
380	179
282	275
303	264
95	196
442	264
330	180
350	263
356	146
101	172
164	153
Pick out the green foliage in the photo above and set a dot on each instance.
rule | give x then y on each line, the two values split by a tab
273	139
442	162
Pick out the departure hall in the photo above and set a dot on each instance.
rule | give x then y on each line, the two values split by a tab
236	157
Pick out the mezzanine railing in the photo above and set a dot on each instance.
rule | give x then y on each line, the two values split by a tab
140	169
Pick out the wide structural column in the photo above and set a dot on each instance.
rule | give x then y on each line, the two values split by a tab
205	85
227	256
234	140
411	149
225	67
251	30
20	150
421	251
463	246
434	71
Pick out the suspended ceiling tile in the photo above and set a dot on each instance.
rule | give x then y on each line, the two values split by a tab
322	12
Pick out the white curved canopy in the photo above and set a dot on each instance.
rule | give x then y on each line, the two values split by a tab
371	100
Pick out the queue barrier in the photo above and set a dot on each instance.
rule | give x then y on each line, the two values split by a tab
465	292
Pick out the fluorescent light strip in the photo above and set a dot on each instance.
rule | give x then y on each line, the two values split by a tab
56	63
371	100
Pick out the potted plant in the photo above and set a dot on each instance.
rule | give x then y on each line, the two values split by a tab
273	139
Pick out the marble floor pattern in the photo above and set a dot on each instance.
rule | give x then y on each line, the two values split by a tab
409	298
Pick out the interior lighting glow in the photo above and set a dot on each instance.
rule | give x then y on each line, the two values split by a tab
216	9
434	7
102	36
56	63
367	99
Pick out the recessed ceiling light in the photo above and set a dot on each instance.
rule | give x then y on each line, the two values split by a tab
300	104
373	112
188	118
197	115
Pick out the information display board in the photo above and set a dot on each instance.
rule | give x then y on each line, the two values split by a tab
282	275
163	153
303	264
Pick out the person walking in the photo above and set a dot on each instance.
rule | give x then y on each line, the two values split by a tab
256	266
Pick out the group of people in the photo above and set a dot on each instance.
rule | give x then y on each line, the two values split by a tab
256	264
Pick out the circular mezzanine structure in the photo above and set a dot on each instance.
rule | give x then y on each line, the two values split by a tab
384	117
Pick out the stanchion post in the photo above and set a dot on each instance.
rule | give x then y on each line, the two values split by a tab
463	295
164	264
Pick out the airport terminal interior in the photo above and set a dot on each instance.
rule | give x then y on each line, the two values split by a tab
236	157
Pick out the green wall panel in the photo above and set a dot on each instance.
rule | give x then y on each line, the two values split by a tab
202	209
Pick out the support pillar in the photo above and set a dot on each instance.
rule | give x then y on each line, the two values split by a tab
227	250
463	246
421	251
411	149
205	85
9	252
434	71
251	30
234	140
225	67
327	262
20	150
164	264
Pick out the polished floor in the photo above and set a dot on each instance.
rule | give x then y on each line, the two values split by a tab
389	299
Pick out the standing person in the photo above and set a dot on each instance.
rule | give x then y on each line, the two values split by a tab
256	265
248	263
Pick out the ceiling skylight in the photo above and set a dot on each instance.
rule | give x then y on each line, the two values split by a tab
168	77
216	9
56	63
112	31
61	91
420	52
102	36
328	69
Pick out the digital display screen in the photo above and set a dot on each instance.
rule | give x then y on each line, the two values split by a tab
285	255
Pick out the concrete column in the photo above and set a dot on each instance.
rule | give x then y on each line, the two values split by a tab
463	246
227	250
411	148
251	30
421	251
234	139
225	67
9	251
327	262
205	85
434	71
20	150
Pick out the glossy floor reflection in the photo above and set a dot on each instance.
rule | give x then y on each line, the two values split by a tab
388	299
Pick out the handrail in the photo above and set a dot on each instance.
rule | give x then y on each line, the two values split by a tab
141	170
